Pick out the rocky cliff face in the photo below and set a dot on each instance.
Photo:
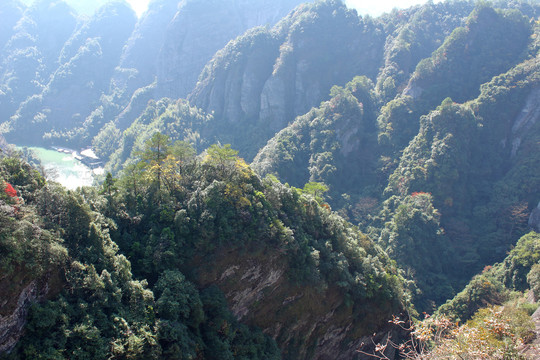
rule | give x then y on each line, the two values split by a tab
528	117
138	63
169	47
312	321
199	29
267	78
534	219
17	293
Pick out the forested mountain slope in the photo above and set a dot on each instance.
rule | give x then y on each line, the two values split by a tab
460	169
409	146
204	234
455	175
85	65
31	49
101	62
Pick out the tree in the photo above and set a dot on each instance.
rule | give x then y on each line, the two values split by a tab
109	187
182	151
316	189
156	150
132	176
221	156
171	172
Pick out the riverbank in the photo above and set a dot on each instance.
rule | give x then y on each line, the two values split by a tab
68	167
86	156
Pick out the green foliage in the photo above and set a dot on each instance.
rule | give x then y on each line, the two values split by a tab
415	37
453	184
83	65
225	338
415	239
333	144
25	242
483	290
298	62
483	208
156	149
316	190
106	142
217	204
491	43
494	285
178	120
103	312
518	264
109	186
494	332
221	157
223	204
533	279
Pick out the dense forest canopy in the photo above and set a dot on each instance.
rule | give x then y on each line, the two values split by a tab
281	180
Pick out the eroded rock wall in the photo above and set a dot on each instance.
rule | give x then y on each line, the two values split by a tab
308	321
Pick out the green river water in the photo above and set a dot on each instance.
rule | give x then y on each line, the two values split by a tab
64	168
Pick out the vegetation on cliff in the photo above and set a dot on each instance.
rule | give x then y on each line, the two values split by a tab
167	210
395	167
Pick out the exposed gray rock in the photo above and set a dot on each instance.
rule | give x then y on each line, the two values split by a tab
534	219
515	146
199	29
142	48
413	90
531	350
11	326
307	321
286	71
528	116
18	295
273	103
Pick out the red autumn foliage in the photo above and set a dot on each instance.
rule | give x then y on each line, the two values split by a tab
326	206
416	193
10	190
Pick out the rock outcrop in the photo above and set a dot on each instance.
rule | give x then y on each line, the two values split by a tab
170	46
308	321
534	219
526	119
17	293
266	78
138	62
199	29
